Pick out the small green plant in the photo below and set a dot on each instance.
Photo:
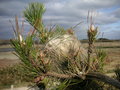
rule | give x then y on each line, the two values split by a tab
71	71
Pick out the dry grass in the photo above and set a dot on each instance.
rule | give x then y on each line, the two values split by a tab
105	44
113	51
8	62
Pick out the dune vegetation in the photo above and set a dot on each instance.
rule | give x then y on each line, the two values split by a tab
53	58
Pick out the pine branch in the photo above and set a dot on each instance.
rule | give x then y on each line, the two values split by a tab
91	75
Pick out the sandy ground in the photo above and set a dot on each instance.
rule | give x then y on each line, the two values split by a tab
19	88
8	55
8	59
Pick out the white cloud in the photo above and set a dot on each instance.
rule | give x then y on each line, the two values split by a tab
67	12
77	9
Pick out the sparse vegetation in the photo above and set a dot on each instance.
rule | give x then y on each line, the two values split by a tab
13	75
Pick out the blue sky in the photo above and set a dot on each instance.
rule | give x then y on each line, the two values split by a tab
66	13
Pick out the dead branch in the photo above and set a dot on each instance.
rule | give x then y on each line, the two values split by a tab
103	78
